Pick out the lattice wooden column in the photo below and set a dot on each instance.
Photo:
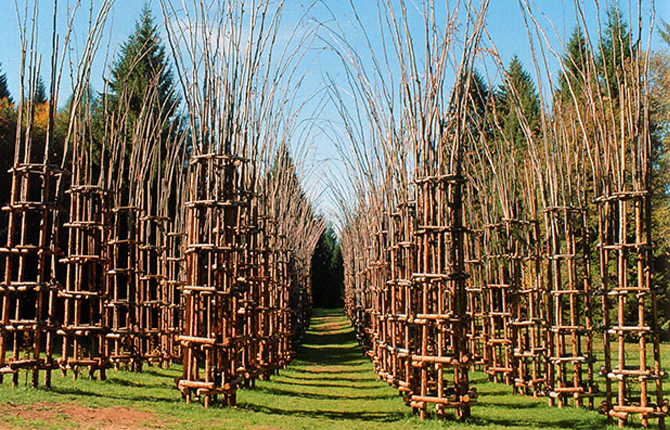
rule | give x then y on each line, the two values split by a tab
528	319
498	291
284	327
250	296
440	352
266	311
632	356
478	331
152	292
29	287
272	319
173	313
349	288
379	305
122	313
211	336
390	371
384	275
299	302
358	301
569	307
83	328
401	263
367	293
295	311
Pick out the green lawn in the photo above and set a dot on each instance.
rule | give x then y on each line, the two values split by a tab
330	385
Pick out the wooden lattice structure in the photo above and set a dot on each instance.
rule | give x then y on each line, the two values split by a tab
498	291
528	319
123	335
478	330
402	262
264	317
488	262
83	328
29	286
569	311
211	338
173	313
285	316
152	294
175	260
632	369
379	299
438	302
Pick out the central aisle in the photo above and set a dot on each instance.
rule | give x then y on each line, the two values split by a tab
331	384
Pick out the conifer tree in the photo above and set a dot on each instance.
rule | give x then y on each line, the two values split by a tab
7	135
478	94
478	106
142	63
40	92
327	271
141	84
4	88
615	50
518	92
574	61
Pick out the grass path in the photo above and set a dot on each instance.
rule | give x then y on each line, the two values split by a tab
330	385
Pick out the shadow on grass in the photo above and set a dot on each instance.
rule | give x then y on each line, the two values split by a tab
331	396
324	348
167	384
381	416
360	385
510	405
297	379
299	369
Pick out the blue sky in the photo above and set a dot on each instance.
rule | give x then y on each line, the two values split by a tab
505	25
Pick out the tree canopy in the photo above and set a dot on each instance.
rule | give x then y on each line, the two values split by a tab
140	66
519	91
615	50
327	271
4	87
574	60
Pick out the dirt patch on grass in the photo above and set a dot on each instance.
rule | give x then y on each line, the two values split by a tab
114	418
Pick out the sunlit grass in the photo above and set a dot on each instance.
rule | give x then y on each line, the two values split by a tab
330	385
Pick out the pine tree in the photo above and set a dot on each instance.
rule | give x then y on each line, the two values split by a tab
478	108
518	92
574	61
4	88
142	63
7	135
327	271
141	84
40	92
615	50
478	95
